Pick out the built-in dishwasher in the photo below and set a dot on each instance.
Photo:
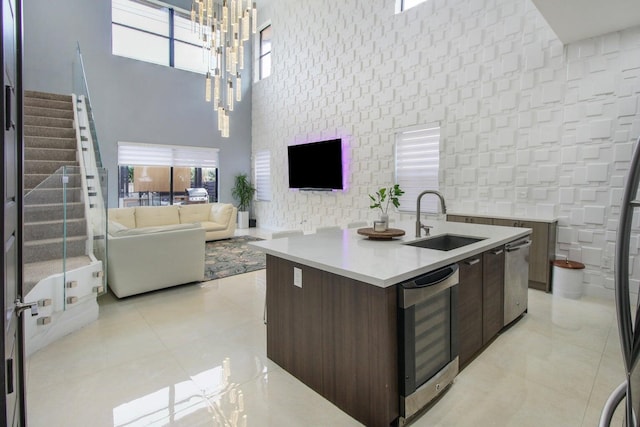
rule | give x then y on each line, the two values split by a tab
428	338
516	278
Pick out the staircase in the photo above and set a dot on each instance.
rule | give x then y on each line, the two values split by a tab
61	272
50	144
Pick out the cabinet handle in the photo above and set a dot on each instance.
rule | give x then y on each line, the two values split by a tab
497	252
472	261
7	107
9	376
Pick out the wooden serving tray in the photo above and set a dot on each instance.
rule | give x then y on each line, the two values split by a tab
389	234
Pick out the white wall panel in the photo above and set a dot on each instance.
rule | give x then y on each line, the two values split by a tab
526	122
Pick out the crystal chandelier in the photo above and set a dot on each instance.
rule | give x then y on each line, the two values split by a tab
223	29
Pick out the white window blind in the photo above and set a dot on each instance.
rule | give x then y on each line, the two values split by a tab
262	171
138	154
417	165
402	5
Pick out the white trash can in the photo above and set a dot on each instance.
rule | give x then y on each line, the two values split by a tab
567	279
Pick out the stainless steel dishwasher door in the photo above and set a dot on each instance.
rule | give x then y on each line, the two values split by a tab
516	279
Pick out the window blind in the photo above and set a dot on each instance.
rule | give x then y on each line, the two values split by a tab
262	171
138	154
402	5
417	157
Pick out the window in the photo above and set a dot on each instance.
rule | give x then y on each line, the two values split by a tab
262	171
402	5
140	31
153	33
417	165
264	60
187	55
160	174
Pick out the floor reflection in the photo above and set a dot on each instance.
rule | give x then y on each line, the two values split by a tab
195	356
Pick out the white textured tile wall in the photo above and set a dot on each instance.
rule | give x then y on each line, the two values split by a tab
529	126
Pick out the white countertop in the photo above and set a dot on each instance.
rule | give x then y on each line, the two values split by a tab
385	263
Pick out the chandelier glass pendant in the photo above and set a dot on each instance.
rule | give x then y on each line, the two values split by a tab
223	29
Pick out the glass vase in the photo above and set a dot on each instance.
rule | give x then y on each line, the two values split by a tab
385	219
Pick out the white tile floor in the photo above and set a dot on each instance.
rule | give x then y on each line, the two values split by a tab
195	355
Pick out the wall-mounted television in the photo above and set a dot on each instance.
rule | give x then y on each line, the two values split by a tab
316	165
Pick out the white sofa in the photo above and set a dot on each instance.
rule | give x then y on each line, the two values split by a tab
155	247
217	219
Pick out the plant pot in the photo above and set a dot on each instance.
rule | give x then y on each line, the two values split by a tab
385	218
243	219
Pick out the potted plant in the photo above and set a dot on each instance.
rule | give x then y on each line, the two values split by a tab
130	186
382	198
243	192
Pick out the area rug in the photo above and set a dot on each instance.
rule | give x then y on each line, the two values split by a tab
224	258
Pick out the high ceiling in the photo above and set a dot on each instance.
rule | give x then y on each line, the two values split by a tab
184	4
571	20
574	20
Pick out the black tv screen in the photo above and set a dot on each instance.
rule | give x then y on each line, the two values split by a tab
316	166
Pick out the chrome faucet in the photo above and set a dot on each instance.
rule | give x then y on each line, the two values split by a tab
419	225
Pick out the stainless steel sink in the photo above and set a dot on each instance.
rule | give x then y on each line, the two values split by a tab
445	242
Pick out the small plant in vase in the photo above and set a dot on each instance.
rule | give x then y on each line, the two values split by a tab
382	198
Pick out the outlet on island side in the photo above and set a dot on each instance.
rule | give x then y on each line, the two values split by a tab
297	277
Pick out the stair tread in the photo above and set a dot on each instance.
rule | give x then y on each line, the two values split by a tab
50	148
73	258
55	240
71	175
60	163
49	205
46	95
50	127
42	160
58	105
48	174
38	116
49	142
54	221
48	110
51	137
38	270
59	188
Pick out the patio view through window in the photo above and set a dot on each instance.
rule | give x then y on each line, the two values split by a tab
158	175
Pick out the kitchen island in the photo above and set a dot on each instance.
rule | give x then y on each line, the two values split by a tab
332	307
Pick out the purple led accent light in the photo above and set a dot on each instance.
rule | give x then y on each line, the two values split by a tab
346	159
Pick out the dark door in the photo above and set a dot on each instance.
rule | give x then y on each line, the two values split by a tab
13	402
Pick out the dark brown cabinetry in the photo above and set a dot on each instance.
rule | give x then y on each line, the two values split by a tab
469	219
338	336
543	245
469	308
480	302
492	293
